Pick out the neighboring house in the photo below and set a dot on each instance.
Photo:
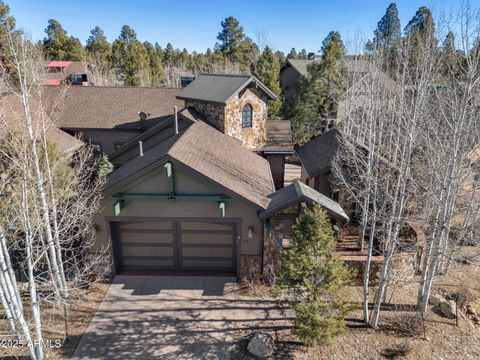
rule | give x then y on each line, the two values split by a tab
108	117
358	71
12	121
67	72
316	158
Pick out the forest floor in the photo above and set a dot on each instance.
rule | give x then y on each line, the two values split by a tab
78	320
400	335
401	331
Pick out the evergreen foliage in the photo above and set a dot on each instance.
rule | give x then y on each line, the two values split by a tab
105	167
267	70
388	34
155	62
98	46
292	54
312	281
420	34
58	45
387	39
129	57
319	92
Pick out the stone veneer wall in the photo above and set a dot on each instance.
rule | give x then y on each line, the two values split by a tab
255	137
250	267
228	119
214	113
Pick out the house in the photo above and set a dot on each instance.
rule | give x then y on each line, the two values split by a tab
66	72
11	122
195	200
237	106
358	71
198	179
108	117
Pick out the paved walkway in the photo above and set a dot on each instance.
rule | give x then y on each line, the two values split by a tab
168	317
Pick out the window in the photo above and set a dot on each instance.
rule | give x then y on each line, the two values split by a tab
247	113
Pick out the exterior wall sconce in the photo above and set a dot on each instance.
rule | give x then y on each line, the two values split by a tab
250	232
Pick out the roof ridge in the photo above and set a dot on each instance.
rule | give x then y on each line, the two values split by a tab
116	87
229	75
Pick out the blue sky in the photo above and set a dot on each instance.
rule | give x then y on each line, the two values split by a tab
195	24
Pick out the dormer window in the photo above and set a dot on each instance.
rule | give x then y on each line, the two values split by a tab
247	113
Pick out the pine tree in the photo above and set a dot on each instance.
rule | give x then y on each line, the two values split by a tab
312	280
230	39
420	35
7	24
234	46
97	45
58	45
156	66
387	39
292	54
302	55
105	167
280	57
129	57
450	64
267	70
388	33
169	54
319	92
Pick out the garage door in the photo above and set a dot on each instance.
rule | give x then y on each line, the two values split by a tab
175	246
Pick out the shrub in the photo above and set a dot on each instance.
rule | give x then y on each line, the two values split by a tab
312	281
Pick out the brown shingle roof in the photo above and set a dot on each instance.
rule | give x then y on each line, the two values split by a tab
210	153
317	155
12	117
104	107
279	137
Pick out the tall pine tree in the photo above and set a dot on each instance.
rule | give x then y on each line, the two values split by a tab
267	70
420	36
129	57
98	46
58	45
387	39
319	92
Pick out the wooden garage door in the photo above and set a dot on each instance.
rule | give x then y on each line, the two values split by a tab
175	246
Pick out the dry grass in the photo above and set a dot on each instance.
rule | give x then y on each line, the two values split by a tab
400	335
78	320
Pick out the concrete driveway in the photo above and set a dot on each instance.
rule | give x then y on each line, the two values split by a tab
170	317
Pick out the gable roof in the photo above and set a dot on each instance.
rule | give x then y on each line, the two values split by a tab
279	137
317	154
11	120
296	193
187	113
353	64
220	88
211	154
105	107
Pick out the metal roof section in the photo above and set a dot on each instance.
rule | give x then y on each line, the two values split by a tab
220	88
298	192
